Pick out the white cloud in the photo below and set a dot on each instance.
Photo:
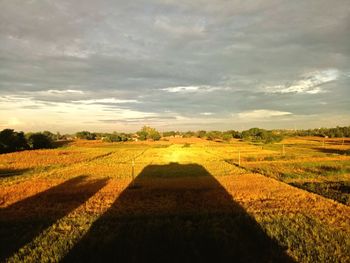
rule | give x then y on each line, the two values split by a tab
310	83
67	91
189	89
105	100
31	113
180	26
262	114
206	113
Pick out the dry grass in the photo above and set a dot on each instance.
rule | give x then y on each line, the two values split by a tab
170	184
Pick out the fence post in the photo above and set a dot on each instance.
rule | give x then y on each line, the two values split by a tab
283	150
133	172
239	157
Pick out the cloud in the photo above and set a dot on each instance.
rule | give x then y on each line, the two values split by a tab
310	83
180	26
262	114
190	89
140	120
62	62
105	101
67	91
71	112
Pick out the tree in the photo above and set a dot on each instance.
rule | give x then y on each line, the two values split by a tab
11	141
261	135
214	135
116	137
86	135
40	141
226	136
148	133
169	134
142	135
201	134
188	134
49	134
235	134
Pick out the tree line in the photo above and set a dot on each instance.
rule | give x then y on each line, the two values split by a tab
338	132
146	133
11	141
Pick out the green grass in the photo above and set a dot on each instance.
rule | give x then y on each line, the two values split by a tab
328	178
309	239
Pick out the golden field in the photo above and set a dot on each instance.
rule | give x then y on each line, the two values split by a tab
177	199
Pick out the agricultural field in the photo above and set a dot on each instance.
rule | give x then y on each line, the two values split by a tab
177	200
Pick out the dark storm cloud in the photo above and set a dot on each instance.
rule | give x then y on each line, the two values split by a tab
182	61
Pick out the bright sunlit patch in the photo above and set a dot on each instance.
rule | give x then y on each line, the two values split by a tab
14	121
258	114
309	83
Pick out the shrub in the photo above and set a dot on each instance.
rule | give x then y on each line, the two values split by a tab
86	135
148	133
40	141
11	141
261	135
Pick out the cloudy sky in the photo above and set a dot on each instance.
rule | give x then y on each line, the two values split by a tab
174	64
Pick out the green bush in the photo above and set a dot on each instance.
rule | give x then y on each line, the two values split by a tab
261	135
86	135
11	141
148	133
40	141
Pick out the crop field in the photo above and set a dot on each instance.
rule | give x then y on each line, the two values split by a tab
177	200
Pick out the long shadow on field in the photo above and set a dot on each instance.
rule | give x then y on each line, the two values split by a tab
176	213
23	221
339	191
333	151
12	172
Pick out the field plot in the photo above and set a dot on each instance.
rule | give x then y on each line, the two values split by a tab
177	200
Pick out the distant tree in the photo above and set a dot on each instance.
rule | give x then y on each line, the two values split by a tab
189	134
261	135
142	135
52	136
40	141
125	136
226	136
154	135
201	134
235	134
148	133
214	135
11	141
169	133
337	132
115	137
86	135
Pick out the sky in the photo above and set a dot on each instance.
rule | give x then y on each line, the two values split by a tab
113	65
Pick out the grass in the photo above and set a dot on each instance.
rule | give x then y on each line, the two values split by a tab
191	202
